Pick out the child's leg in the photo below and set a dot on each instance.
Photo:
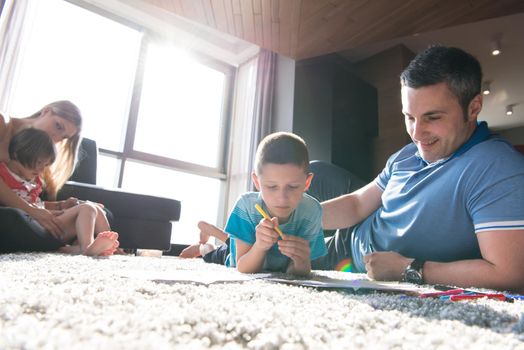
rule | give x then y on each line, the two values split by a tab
101	223
85	225
219	255
207	230
81	220
196	250
69	219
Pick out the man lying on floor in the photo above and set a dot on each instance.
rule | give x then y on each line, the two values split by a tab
447	208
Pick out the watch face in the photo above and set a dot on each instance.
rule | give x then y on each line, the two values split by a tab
413	276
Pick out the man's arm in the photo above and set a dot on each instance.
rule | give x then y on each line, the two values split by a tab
350	209
500	267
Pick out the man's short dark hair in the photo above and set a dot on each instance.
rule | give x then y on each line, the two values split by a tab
282	148
455	67
31	145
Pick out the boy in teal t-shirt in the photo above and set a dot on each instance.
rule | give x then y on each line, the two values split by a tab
281	177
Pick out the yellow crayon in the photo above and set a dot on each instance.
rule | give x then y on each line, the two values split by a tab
264	214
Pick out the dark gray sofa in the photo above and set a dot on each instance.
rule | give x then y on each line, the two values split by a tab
142	221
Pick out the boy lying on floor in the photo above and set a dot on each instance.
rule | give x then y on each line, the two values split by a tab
281	177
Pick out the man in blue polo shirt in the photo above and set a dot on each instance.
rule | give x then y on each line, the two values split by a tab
447	208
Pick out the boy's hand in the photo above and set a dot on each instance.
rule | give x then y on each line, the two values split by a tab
266	235
297	249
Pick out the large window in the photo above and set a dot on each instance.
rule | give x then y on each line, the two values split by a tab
158	112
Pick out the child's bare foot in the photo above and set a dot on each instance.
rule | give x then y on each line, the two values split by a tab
112	250
103	242
193	251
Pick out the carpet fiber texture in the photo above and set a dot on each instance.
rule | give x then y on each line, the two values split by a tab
54	301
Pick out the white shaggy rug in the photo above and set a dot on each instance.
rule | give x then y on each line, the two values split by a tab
53	301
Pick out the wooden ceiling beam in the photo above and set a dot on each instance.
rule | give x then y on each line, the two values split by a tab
308	28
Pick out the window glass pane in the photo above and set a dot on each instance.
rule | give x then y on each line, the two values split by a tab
75	54
180	108
107	171
199	195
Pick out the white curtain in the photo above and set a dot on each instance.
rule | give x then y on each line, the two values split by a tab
12	20
252	111
263	103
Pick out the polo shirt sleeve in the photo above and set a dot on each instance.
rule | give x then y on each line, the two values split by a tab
499	206
383	178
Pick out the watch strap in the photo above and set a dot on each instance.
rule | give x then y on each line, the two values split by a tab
414	272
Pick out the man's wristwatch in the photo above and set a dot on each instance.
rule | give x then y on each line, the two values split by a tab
413	273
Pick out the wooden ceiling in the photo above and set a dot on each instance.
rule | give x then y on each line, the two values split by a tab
308	28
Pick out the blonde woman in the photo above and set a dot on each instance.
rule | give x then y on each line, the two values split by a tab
62	121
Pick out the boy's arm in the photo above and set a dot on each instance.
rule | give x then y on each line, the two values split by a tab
297	249
250	258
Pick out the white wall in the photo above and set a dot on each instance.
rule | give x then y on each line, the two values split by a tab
515	136
284	94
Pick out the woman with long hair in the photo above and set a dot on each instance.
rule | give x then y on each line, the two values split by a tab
62	121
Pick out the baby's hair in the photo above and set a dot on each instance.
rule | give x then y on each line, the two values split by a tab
282	148
31	145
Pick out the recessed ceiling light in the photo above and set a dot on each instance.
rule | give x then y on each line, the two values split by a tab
495	48
509	109
486	87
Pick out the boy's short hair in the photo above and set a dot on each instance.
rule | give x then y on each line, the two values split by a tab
30	145
282	148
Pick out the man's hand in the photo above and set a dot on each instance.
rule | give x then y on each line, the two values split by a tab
386	266
297	249
48	220
266	235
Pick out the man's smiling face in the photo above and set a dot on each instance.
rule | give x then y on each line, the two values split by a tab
435	120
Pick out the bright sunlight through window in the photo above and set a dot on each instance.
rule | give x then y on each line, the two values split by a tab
70	52
173	120
73	54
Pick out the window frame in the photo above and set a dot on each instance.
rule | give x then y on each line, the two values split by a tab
229	71
220	172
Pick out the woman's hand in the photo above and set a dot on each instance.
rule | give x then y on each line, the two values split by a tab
48	220
69	203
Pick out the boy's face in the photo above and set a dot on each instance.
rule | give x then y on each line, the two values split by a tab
28	173
281	187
